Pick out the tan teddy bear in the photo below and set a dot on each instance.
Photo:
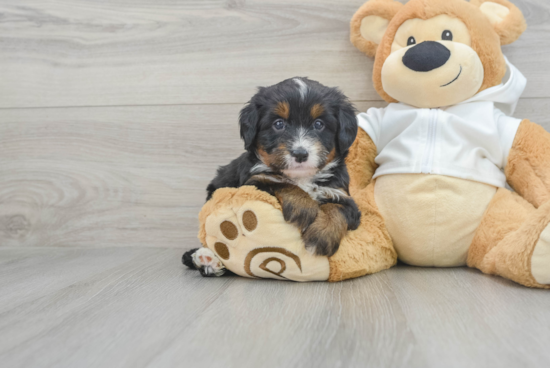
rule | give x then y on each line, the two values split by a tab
429	171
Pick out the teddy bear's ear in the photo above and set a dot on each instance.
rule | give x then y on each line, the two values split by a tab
506	18
370	22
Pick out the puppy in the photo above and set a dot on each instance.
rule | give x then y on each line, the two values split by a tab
297	134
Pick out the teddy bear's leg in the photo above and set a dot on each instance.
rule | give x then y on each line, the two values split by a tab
246	229
513	241
528	167
367	250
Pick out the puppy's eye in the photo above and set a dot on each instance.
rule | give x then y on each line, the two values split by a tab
318	125
279	125
411	41
447	35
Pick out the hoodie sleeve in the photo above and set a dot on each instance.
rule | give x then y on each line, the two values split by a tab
371	123
507	129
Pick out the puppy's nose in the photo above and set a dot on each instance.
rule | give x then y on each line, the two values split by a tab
300	154
426	56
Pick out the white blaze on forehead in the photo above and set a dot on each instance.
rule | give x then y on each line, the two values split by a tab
302	87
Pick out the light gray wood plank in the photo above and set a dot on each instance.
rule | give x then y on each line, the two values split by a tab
121	176
125	52
462	318
141	308
117	316
115	176
277	324
27	274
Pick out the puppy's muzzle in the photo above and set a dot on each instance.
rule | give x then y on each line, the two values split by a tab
300	155
426	56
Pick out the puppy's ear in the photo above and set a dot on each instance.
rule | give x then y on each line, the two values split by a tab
347	126
370	22
505	17
248	121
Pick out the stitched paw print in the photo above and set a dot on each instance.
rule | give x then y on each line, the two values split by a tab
230	231
255	241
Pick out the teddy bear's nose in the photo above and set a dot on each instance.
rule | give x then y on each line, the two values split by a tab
426	56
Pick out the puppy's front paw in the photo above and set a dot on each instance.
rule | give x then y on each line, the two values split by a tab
351	213
324	235
320	242
354	220
300	213
208	263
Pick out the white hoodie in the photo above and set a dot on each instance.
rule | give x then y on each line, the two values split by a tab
470	140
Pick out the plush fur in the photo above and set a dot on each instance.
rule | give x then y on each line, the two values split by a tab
360	162
512	26
367	250
227	195
507	236
383	8
528	169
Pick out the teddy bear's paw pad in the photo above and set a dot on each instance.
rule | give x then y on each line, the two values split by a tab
255	241
250	221
222	250
540	260
229	230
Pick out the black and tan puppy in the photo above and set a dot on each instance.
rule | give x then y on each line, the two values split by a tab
297	134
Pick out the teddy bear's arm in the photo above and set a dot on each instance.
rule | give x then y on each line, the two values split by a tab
360	162
528	167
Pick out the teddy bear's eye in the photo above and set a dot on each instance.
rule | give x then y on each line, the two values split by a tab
447	35
411	41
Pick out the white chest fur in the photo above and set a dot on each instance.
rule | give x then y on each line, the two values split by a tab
318	192
306	183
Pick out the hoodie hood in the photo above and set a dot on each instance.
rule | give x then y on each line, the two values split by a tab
506	95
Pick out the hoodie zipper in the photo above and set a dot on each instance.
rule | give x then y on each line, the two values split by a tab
427	162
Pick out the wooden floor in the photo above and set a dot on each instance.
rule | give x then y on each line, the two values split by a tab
138	307
113	118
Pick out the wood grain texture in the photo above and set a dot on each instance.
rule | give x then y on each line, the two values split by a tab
136	52
454	311
121	176
115	176
123	307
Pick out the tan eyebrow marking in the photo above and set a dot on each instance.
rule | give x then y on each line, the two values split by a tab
317	110
331	156
282	109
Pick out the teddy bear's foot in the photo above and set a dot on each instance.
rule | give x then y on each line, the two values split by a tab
253	240
540	260
513	241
